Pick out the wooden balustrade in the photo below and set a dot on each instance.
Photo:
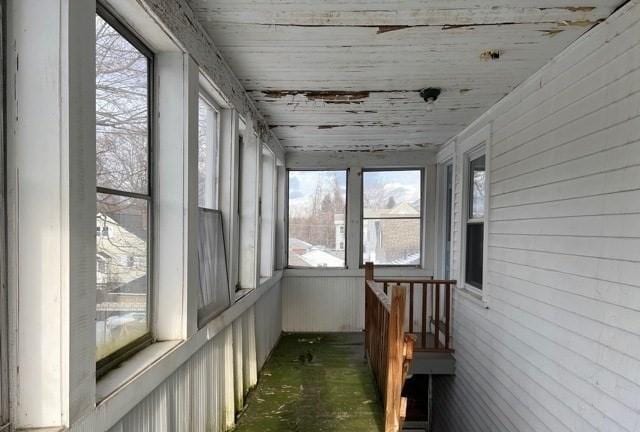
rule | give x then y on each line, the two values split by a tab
388	349
429	309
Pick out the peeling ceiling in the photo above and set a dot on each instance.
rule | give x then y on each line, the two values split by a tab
346	75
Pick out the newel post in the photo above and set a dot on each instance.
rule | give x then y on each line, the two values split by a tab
368	275
395	360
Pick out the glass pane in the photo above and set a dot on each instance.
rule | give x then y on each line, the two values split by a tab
391	241
212	265
474	262
317	202
391	194
477	187
121	270
207	155
122	115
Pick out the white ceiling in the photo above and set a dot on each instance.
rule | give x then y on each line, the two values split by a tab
345	75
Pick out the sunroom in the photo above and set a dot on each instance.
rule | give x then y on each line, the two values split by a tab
348	215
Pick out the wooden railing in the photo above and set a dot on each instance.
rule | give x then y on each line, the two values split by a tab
429	309
388	349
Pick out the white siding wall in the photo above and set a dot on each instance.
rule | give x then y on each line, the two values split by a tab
558	349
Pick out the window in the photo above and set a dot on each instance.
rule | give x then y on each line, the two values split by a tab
475	222
124	77
392	217
317	206
208	134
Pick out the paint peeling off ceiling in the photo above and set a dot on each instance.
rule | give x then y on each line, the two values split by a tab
346	75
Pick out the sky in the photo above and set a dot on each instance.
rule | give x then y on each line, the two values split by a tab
404	186
302	185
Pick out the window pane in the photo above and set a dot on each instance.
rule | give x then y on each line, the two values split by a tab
122	117
474	262
391	209
207	155
122	271
317	202
391	194
391	241
477	187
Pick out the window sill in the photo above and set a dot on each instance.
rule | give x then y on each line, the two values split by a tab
474	295
129	369
241	293
123	388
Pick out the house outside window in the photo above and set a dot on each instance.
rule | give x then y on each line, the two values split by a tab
124	85
392	217
317	206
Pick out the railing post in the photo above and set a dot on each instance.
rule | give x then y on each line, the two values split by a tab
368	275
424	318
395	359
436	330
447	314
410	307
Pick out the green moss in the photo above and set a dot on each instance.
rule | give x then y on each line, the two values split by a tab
314	383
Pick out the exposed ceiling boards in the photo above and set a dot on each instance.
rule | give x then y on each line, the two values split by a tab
346	75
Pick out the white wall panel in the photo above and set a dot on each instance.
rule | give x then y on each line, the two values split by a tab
557	348
268	323
323	304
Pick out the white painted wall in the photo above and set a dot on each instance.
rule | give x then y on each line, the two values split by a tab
558	348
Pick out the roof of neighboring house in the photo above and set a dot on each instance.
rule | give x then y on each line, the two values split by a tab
402	209
413	259
296	260
320	258
295	243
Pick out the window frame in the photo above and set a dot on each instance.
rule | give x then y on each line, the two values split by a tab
422	215
467	194
114	359
271	209
346	218
445	212
204	94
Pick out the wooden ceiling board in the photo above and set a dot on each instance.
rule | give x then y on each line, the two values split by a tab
345	75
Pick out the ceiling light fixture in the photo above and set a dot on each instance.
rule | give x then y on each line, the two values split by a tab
430	95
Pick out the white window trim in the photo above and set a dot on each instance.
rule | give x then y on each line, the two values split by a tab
441	220
210	100
267	213
471	148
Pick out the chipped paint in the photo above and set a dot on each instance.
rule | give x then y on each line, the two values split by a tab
552	32
490	55
307	63
328	96
386	29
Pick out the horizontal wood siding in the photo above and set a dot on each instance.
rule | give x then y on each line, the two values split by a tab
558	348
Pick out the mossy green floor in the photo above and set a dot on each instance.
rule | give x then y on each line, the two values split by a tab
314	383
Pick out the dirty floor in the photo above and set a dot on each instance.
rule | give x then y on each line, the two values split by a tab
314	383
